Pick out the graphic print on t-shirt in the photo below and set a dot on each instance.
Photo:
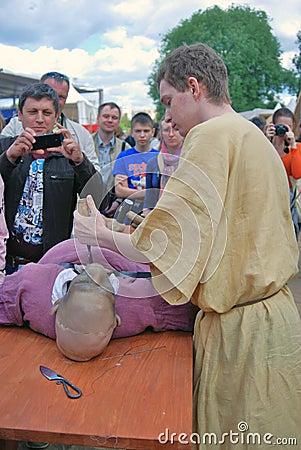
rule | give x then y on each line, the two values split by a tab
29	217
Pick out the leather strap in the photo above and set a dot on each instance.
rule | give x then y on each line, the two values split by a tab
126	273
252	302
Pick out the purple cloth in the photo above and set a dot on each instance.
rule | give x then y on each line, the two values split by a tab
72	251
25	296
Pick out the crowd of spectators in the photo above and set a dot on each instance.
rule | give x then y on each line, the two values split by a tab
200	138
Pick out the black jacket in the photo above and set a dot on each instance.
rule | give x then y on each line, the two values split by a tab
63	180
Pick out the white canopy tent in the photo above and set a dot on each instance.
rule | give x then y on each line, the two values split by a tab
78	108
265	113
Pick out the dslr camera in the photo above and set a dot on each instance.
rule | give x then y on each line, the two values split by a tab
280	130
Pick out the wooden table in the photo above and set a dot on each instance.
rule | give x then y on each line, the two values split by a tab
138	388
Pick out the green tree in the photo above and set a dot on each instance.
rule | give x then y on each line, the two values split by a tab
125	123
242	37
297	61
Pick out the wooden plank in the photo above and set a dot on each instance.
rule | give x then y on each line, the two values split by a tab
138	388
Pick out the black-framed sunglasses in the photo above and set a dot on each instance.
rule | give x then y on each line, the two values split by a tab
56	76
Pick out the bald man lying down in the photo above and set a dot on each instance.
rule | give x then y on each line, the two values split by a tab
28	296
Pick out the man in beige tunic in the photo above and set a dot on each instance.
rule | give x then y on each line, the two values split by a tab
222	236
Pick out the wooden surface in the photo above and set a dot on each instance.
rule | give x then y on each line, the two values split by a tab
135	390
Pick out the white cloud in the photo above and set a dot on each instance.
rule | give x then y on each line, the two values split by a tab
111	45
286	59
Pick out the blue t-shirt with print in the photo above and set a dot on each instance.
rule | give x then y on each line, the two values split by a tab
132	164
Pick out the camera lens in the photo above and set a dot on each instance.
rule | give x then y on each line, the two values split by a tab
280	130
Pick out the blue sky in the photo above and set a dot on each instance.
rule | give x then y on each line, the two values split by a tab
112	45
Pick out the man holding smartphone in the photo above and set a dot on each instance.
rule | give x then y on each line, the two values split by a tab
41	186
61	84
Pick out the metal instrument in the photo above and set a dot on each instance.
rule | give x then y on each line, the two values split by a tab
52	375
83	209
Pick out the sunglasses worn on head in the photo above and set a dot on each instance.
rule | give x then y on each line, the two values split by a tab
56	75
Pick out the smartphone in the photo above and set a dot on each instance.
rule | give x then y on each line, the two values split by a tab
47	141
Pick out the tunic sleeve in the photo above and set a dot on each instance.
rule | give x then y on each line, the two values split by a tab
215	235
179	235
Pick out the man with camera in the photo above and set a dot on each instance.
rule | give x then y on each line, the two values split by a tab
41	186
61	84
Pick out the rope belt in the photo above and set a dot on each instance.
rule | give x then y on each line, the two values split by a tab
252	302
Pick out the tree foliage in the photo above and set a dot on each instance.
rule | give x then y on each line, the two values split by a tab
243	38
297	61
